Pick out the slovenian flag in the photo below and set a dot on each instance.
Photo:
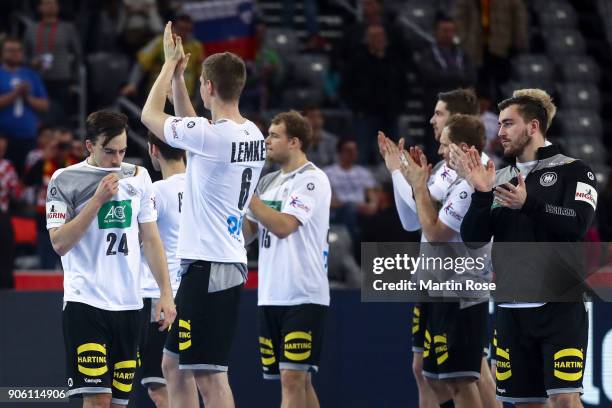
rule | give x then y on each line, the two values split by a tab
224	25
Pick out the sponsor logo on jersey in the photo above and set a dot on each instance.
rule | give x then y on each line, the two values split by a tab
70	382
274	204
451	211
310	186
568	364
463	195
115	214
131	190
184	334
590	175
502	361
91	359
298	345
267	352
548	179
297	203
586	193
123	375
173	124
56	211
251	151
445	174
191	124
54	191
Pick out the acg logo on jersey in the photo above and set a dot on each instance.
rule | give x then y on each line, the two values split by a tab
91	359
115	214
298	345
569	364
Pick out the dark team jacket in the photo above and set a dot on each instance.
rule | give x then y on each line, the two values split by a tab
560	206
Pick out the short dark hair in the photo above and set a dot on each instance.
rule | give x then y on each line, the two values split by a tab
462	100
105	123
467	129
10	39
227	72
529	109
168	152
344	141
297	126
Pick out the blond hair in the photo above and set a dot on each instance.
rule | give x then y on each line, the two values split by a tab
543	98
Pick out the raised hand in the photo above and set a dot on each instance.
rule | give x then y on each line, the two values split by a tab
389	151
415	168
511	196
173	45
469	165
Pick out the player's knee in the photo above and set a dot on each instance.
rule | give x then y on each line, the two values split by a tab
565	400
417	368
97	400
455	386
293	379
157	393
169	366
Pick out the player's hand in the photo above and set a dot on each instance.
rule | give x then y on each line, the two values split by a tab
389	151
181	66
173	45
23	88
108	187
165	312
469	165
511	196
415	168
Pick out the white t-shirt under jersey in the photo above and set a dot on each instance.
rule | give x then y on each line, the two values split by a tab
169	195
103	268
224	162
293	270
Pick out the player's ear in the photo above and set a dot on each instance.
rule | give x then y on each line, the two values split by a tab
89	146
464	147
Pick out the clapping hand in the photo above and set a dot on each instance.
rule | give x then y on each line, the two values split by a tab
468	165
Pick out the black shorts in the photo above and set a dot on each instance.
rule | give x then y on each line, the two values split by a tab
419	323
151	346
290	338
203	332
454	340
100	350
540	351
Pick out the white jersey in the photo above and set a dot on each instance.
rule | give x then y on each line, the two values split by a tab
169	195
441	179
224	161
293	270
103	268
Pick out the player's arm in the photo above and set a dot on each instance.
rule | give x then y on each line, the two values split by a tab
153	249
66	236
249	230
573	218
180	95
278	223
434	229
153	115
404	202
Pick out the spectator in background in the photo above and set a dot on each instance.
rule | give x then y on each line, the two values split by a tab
374	87
56	155
53	47
151	58
442	66
44	137
493	147
491	31
322	151
9	190
139	22
354	193
314	41
22	98
265	75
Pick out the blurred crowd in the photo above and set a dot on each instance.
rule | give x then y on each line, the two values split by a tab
45	44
